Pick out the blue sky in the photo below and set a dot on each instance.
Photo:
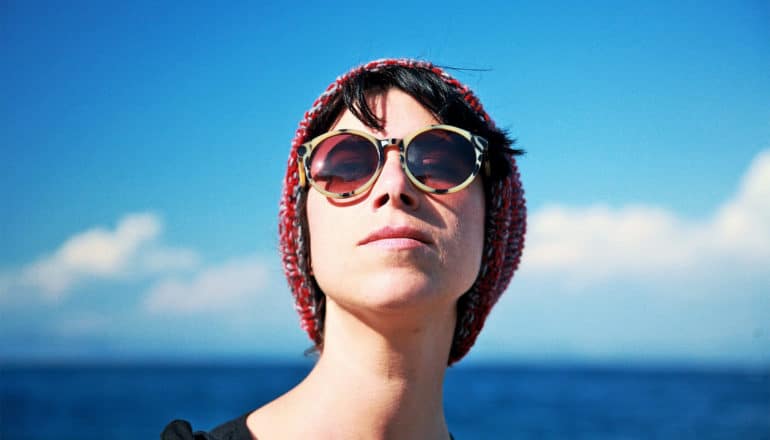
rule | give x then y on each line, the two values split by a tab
144	144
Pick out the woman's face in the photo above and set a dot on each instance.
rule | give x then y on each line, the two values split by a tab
395	247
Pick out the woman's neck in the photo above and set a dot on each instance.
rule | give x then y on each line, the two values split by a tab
375	379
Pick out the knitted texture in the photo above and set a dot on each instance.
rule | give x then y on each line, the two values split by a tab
505	225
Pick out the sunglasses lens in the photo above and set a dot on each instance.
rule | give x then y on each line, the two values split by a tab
343	163
441	159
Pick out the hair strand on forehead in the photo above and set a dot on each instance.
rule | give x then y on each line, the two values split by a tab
445	102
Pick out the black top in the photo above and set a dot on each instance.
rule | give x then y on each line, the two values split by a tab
233	430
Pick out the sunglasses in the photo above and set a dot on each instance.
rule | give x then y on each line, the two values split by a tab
438	159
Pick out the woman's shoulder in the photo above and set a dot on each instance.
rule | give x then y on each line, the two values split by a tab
233	430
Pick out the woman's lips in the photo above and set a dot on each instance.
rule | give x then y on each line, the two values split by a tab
396	237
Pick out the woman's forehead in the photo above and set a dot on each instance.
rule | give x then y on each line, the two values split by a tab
400	113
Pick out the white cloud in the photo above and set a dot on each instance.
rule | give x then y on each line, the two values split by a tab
586	245
226	286
742	225
643	284
132	249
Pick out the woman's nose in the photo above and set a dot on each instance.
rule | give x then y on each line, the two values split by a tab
393	186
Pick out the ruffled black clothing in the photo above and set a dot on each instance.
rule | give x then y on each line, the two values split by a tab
233	430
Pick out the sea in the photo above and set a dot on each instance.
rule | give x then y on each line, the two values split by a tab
136	401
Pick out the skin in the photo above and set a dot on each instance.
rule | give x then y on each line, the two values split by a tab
390	303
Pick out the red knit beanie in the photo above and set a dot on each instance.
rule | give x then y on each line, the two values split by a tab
503	236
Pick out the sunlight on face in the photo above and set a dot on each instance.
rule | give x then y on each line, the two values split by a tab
396	247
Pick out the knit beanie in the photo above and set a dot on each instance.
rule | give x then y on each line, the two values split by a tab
505	224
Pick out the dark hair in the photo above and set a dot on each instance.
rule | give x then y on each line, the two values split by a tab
446	103
438	97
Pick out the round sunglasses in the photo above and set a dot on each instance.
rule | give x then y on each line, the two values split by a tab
437	159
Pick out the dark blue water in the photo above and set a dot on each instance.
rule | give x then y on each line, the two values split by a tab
135	402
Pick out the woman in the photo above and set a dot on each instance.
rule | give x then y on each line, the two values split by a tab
401	223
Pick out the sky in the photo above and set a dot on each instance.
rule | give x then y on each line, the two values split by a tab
143	147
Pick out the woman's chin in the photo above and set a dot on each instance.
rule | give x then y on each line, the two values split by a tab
401	289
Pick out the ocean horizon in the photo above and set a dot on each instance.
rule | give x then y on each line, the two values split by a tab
136	399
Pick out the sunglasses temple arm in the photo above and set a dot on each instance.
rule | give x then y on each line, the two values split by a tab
481	144
301	171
